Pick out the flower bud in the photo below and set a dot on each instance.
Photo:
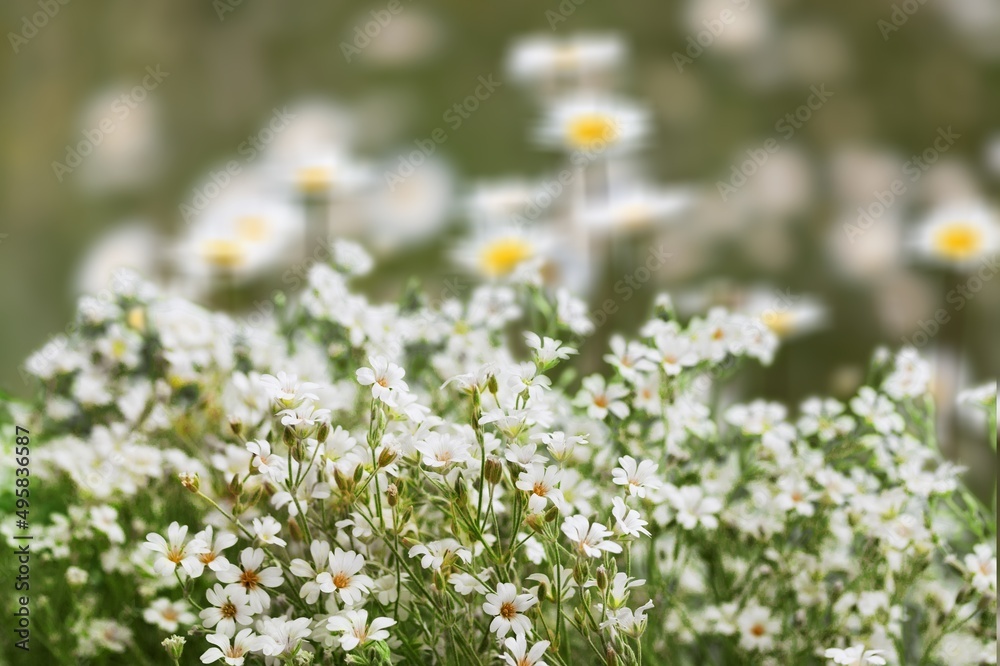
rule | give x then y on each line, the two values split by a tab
551	513
288	437
174	646
610	656
602	578
392	494
386	456
543	590
236	426
358	472
343	483
461	492
581	572
492	385
190	480
323	432
494	470
535	522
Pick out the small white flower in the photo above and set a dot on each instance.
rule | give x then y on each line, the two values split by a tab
233	653
693	507
638	478
600	399
343	576
982	564
270	465
229	607
168	615
628	521
433	555
589	539
253	578
547	350
507	608
440	450
175	551
541	482
757	628
355	630
855	656
267	530
384	377
520	655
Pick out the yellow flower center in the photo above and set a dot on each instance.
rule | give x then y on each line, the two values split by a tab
779	322
249	580
503	255
507	610
539	489
341	580
958	241
222	253
314	179
591	130
251	228
228	610
136	318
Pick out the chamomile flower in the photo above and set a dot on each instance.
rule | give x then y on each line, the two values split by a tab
594	125
957	235
507	608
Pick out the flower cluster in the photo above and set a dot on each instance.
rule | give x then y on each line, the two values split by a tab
351	482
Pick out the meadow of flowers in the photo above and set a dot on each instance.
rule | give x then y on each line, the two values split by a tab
374	483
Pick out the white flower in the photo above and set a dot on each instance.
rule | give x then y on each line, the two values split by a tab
384	377
434	554
175	551
600	399
229	607
547	350
287	391
824	418
233	653
214	547
795	493
982	564
628	521
589	539
441	450
630	358
252	578
283	636
541	482
757	628
693	507
168	615
343	576
508	607
105	519
638	478
878	410
267	530
593	126
520	655
466	583
320	552
271	465
353	625
855	656
958	235
572	313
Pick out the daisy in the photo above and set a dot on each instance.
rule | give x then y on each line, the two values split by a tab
957	235
384	377
520	655
628	521
855	656
252	578
599	399
541	482
355	630
589	539
229	607
594	125
507	608
757	628
343	577
233	653
638	478
267	530
168	615
270	465
175	552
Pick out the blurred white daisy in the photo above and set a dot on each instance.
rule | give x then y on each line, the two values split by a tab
957	236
